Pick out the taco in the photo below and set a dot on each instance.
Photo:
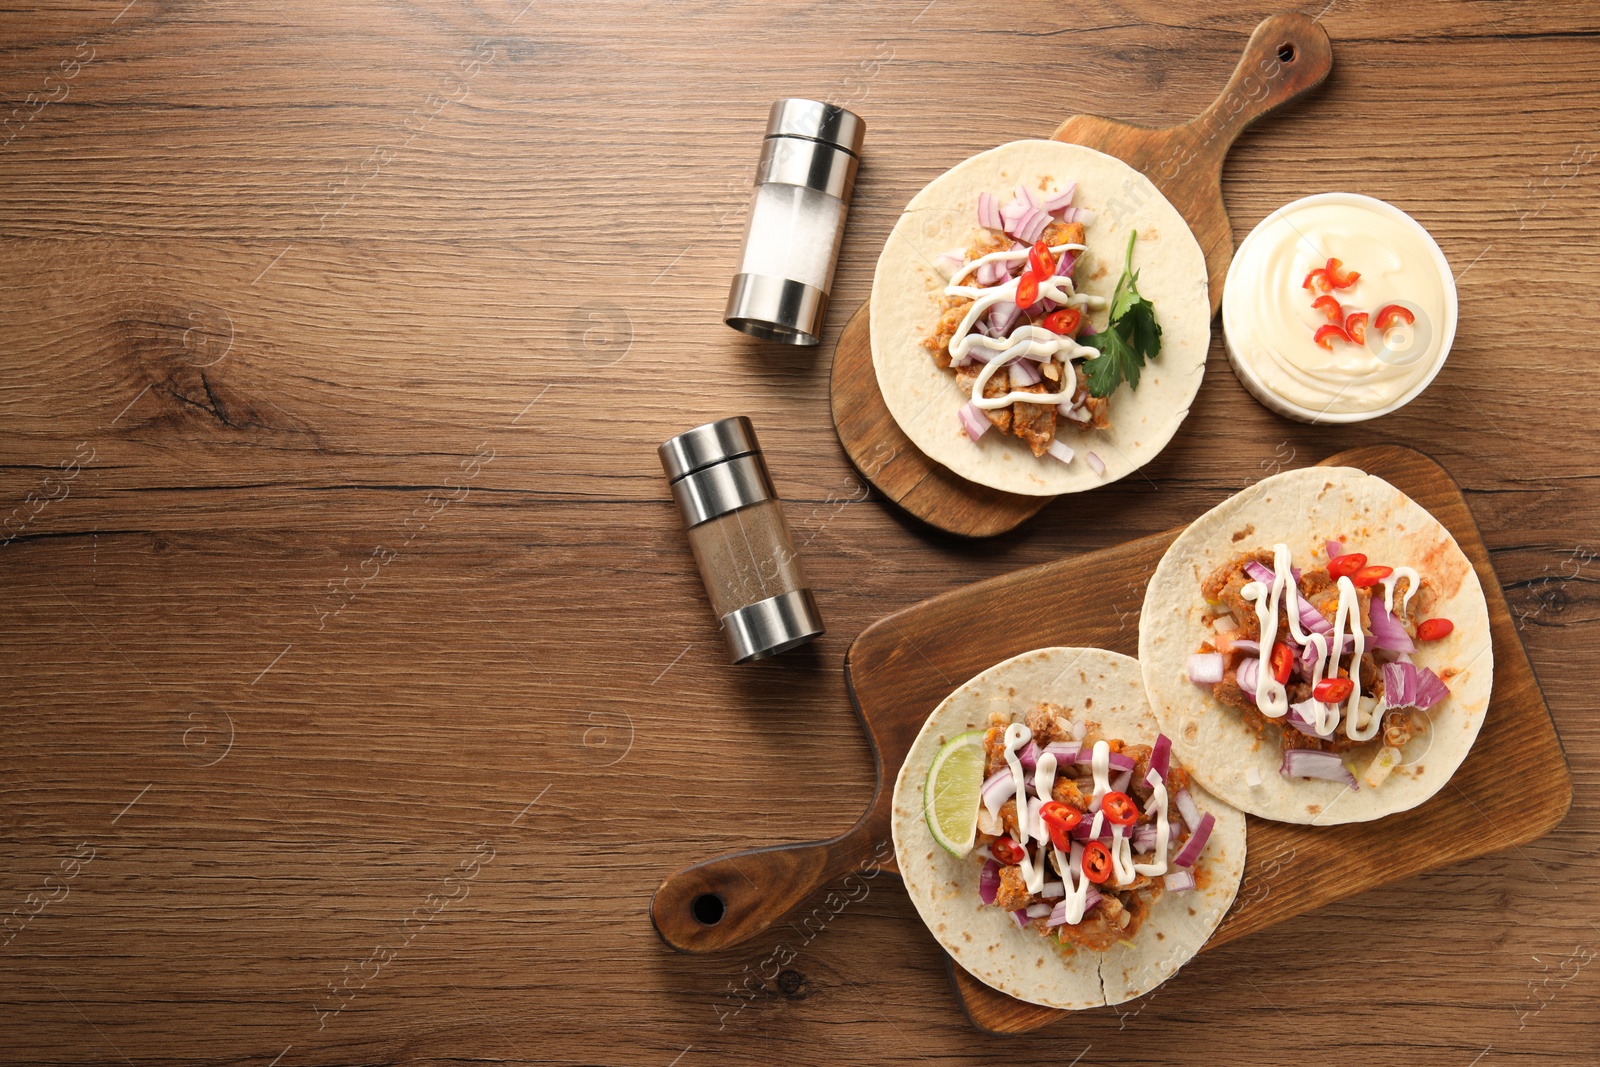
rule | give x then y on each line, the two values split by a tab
1040	319
1318	648
1116	871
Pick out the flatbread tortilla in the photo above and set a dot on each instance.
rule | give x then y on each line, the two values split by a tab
907	290
1304	509
1104	687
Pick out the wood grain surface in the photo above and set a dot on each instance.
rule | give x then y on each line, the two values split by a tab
360	687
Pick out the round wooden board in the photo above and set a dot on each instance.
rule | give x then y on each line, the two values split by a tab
1287	56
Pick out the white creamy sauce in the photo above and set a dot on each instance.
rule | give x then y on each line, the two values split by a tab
1389	584
1031	825
1271	696
1026	340
1271	323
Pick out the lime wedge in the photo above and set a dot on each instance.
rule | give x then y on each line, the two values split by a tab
951	798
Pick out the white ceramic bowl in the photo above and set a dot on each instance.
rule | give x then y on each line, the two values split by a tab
1234	312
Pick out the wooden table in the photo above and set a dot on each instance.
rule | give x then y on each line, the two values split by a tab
360	686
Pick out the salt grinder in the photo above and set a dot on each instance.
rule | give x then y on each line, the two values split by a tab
804	182
740	539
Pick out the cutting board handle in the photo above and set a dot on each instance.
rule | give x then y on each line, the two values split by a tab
1287	56
723	901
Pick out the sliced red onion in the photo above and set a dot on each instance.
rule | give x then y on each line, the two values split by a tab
1161	755
1119	784
1021	915
1028	756
1084	831
1052	890
1096	462
1065	262
1000	787
1197	842
1061	199
989	212
1179	881
1144	838
1303	717
1405	685
989	881
1026	194
1012	211
1066	410
1060	450
1205	668
1039	911
1247	674
1065	752
1335	549
1310	763
1387	631
1245	645
1002	316
989	273
1260	572
1024	372
973	420
1188	808
1119	761
1029	225
1311	619
1058	914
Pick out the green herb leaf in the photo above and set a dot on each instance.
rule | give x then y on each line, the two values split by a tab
1131	336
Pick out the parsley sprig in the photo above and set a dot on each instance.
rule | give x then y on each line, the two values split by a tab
1131	336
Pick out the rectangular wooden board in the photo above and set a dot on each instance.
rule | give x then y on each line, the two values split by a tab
901	667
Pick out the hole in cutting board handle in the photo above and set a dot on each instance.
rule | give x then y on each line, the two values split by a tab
1286	53
707	909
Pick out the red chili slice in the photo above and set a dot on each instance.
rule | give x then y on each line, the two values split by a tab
1281	662
1006	851
1326	334
1390	314
1329	306
1356	326
1317	281
1434	629
1027	289
1333	690
1065	321
1346	565
1059	819
1040	261
1096	862
1367	577
1340	278
1120	809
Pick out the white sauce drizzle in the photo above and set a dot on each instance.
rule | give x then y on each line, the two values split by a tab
1271	696
1026	340
1157	806
1030	823
1393	580
1017	736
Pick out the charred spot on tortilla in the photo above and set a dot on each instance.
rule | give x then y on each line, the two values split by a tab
1240	535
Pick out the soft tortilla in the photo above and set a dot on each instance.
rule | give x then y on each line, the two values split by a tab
1106	688
907	290
1304	509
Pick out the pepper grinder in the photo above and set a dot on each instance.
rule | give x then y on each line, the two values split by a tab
740	539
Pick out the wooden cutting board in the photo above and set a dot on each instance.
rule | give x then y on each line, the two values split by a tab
901	667
1286	57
